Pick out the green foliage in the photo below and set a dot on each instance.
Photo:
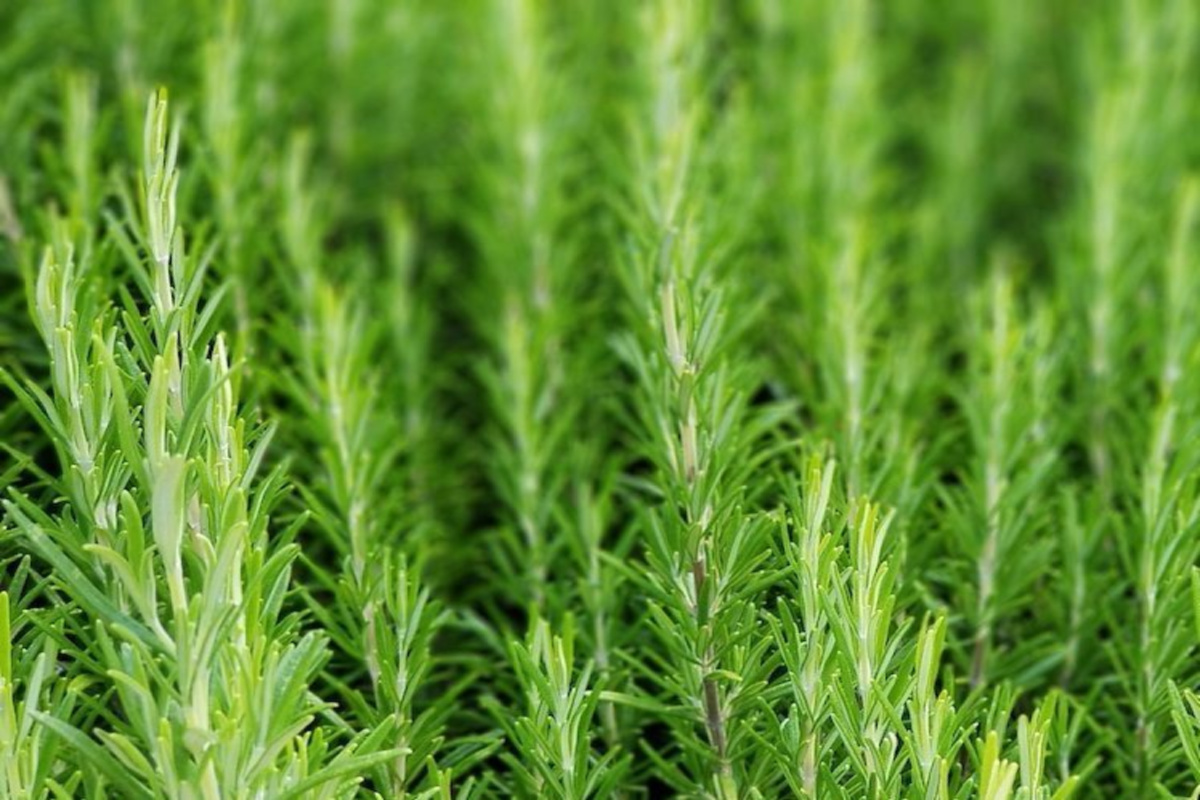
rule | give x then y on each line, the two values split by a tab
587	399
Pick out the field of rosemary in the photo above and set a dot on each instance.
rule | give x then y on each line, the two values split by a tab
589	399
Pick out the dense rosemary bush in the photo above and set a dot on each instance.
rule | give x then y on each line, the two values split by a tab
589	399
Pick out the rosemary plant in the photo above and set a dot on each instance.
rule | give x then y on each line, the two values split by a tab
211	684
382	619
514	398
524	278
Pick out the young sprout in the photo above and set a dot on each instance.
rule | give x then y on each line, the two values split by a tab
554	735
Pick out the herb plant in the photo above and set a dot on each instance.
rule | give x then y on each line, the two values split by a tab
587	399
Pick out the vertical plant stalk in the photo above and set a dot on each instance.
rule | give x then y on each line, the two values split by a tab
694	414
411	328
1146	82
865	621
835	290
598	595
1167	551
391	615
995	459
225	126
1006	407
1106	179
676	129
698	513
523	261
848	149
804	639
